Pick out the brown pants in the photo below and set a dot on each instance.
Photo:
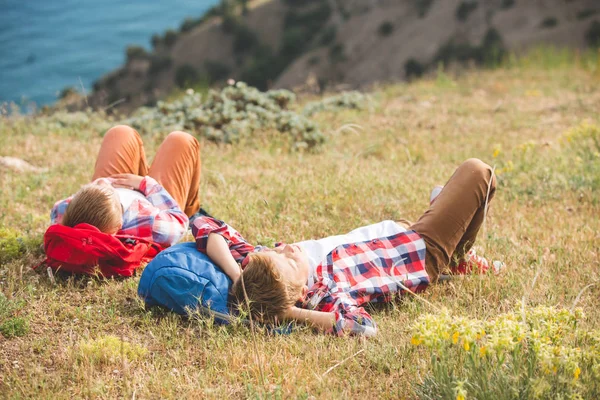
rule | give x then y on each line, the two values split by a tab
451	223
176	165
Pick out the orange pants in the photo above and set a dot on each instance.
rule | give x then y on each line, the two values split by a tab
451	223
176	165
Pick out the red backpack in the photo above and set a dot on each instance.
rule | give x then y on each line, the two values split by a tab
84	249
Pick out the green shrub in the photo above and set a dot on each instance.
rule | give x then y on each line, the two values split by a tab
413	69
14	327
156	41
337	53
386	28
66	92
189	23
328	36
262	67
530	353
244	39
170	37
314	60
592	35
135	52
549	22
423	7
465	9
216	71
108	350
583	14
159	63
344	101
13	245
186	75
506	4
231	114
492	48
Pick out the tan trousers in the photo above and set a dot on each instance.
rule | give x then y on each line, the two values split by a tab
176	165
450	225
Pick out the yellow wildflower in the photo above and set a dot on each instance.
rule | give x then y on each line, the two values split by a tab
496	152
576	373
415	341
455	338
482	351
466	346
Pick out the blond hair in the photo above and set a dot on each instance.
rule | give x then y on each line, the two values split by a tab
94	205
269	294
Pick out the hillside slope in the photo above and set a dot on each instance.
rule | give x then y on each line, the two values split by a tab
315	43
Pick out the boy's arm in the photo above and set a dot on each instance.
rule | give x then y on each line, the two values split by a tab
170	223
321	320
218	251
205	228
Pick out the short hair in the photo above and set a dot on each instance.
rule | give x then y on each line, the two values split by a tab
94	205
268	293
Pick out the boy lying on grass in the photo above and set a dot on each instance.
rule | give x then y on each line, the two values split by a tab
324	283
126	197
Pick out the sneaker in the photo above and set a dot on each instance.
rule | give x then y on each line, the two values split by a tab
472	264
435	193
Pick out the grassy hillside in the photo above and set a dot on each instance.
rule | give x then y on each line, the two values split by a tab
536	121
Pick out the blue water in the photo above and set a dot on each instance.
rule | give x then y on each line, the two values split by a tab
47	45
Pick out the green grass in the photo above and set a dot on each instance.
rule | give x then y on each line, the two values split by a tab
88	338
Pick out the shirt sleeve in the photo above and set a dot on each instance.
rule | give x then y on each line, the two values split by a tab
350	319
203	226
58	211
170	223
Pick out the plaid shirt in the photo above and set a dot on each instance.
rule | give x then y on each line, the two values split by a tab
351	275
157	218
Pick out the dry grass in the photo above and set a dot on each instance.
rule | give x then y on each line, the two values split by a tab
544	219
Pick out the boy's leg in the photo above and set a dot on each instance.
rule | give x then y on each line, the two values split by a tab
451	223
177	168
121	152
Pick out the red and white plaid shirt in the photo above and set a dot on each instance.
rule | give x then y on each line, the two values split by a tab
351	275
156	218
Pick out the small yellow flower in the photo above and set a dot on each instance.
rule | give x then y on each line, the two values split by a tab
496	152
576	373
466	346
455	338
415	341
482	351
460	397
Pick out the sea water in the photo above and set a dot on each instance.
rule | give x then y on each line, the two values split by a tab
47	45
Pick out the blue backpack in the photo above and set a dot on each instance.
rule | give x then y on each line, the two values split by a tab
184	280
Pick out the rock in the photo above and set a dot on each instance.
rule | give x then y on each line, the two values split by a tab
19	165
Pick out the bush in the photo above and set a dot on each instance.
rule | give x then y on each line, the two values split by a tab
231	114
244	40
156	40
230	23
186	75
189	23
262	67
14	327
583	14
328	36
413	69
386	28
423	7
135	52
592	35
159	63
539	352
506	4
465	9
337	53
170	37
216	71
66	92
549	22
492	48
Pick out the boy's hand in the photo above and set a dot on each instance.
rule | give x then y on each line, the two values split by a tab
127	181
